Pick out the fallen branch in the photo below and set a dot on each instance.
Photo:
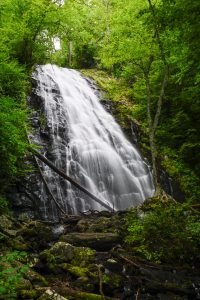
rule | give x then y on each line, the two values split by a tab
137	296
100	281
66	177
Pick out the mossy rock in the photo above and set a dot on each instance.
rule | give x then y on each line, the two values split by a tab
24	284
88	284
59	252
16	244
37	234
35	278
82	256
75	270
7	226
6	222
113	281
28	294
102	224
63	252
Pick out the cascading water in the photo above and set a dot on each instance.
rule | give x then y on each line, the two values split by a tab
88	145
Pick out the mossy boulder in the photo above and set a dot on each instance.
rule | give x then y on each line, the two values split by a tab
59	252
63	252
83	256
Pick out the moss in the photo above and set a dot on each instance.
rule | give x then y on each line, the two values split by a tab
83	256
102	224
35	278
114	281
75	270
86	296
47	256
23	284
78	295
17	245
28	294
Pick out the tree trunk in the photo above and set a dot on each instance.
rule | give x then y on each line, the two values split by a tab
70	53
151	134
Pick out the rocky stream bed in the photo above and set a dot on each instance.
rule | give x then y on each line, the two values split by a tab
85	257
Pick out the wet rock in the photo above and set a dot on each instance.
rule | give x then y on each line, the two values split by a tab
37	234
97	241
113	266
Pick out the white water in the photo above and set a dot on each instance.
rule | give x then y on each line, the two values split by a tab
88	144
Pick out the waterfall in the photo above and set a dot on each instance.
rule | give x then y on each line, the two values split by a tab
88	145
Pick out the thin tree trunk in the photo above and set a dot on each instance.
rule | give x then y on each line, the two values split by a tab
151	133
161	96
70	53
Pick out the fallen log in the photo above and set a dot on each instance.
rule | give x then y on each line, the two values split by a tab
72	181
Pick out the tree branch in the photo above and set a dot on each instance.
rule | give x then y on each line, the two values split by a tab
66	177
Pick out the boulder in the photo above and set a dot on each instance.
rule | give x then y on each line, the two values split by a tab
38	234
62	252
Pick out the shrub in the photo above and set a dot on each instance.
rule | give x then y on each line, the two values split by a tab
164	232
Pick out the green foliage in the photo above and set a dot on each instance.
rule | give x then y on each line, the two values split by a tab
27	29
11	273
12	139
164	232
12	80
